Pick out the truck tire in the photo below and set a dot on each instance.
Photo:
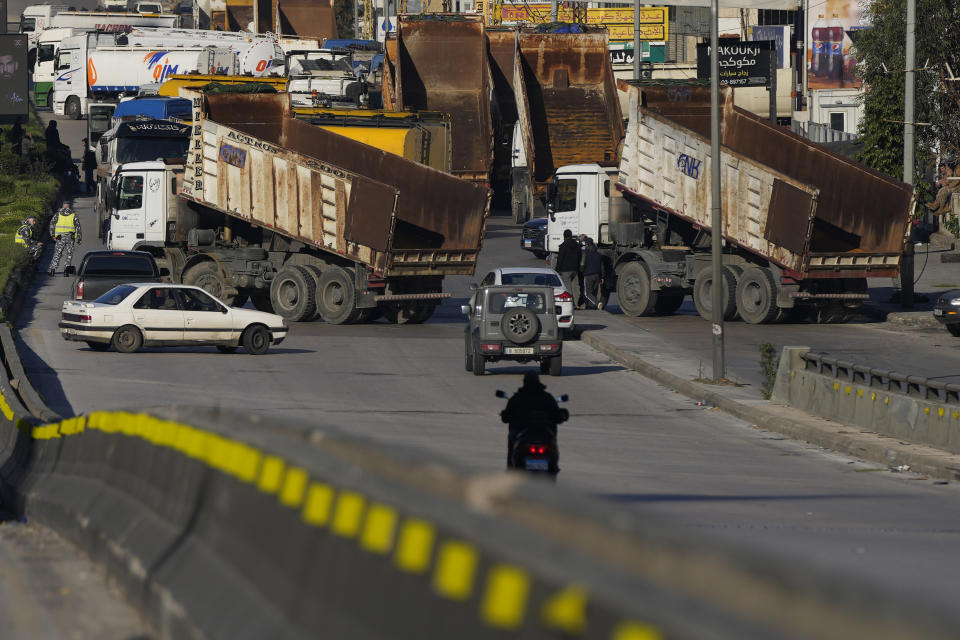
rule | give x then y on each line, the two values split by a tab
703	294
206	275
127	339
50	99
519	325
634	293
336	296
293	295
261	300
757	296
315	272
72	108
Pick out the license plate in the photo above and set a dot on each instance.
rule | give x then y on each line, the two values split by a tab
528	243
536	464
519	351
70	332
938	312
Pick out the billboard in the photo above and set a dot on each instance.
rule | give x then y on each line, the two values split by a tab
742	64
618	21
780	35
13	74
830	60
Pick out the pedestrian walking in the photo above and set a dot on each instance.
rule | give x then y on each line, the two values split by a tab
26	239
52	136
593	275
89	166
65	228
568	264
15	136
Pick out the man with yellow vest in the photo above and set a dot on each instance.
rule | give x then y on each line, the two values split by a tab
26	240
65	227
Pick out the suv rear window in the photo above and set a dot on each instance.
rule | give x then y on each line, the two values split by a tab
498	302
118	266
538	279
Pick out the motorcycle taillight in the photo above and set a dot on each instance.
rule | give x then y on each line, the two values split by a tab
536	449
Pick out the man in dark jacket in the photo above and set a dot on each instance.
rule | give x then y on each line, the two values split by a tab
568	264
531	407
593	275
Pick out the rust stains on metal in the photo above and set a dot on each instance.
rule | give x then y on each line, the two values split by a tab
442	65
572	112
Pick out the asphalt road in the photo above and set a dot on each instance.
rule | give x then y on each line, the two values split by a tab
628	440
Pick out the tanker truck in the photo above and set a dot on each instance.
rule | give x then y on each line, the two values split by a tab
298	219
803	228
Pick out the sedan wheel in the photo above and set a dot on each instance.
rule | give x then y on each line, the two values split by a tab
127	339
256	340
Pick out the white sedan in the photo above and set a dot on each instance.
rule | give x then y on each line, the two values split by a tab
537	276
130	316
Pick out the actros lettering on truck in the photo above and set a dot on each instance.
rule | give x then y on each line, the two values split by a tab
313	164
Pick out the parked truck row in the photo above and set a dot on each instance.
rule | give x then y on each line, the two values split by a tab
298	219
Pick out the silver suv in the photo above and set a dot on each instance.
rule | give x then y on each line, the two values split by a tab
512	323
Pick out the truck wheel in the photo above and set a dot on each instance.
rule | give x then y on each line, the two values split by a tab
556	366
634	294
127	339
72	108
50	99
703	294
256	340
336	296
668	303
757	296
519	325
293	295
206	275
479	362
261	300
315	272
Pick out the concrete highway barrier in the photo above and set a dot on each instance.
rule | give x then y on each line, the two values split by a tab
219	525
913	408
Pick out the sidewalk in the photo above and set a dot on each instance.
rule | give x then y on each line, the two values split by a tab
645	353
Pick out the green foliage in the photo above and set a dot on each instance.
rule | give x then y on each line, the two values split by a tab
881	52
343	10
769	363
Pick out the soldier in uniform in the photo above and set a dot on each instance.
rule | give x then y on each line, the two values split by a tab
65	228
26	240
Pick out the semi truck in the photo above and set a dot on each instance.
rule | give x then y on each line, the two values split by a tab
298	219
44	67
803	228
567	109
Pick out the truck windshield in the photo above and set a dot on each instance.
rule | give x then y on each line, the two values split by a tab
63	60
146	149
116	295
122	265
131	193
45	52
27	25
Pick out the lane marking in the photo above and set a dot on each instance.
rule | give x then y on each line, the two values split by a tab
636	631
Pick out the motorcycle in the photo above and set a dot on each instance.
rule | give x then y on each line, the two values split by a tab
535	447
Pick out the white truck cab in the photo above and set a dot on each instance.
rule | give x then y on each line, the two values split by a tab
578	199
144	191
36	17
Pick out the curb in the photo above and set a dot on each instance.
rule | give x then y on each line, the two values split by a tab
851	440
917	319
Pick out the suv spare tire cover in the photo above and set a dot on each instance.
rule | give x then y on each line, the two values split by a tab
519	325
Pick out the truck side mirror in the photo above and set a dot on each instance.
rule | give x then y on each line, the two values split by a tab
550	211
473	286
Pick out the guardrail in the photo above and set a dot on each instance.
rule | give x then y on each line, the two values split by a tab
219	525
891	403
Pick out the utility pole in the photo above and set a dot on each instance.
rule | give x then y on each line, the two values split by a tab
906	266
553	10
716	219
636	40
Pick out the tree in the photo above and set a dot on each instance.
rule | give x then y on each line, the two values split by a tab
343	10
881	54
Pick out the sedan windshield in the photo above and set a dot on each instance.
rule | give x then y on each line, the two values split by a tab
116	295
540	279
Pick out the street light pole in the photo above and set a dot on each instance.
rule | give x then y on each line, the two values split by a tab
636	40
716	221
906	266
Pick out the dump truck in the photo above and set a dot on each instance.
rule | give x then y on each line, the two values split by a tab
441	64
568	111
803	228
298	219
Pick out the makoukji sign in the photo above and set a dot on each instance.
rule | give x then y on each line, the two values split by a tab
742	63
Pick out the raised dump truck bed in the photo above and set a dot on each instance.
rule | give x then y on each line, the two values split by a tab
441	64
567	108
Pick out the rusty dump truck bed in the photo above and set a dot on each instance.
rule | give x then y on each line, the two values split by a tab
441	65
251	159
566	99
784	197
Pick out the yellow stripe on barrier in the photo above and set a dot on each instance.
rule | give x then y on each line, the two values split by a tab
46	432
317	507
414	546
294	486
566	611
271	474
636	631
377	536
456	566
348	514
5	407
505	599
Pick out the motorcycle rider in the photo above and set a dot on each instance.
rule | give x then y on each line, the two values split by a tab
531	408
